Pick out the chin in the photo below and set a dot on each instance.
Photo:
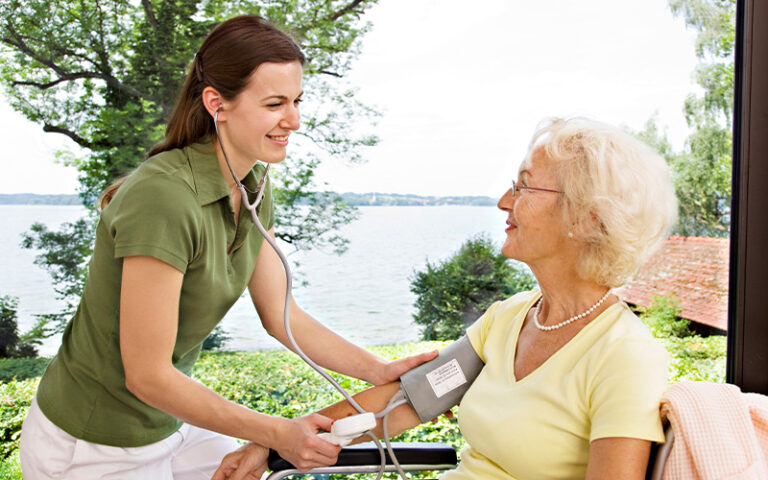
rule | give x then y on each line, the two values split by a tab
273	161
513	253
271	158
508	252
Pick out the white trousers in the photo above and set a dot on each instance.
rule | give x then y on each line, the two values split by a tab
48	452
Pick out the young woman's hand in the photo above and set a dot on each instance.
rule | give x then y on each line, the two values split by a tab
391	371
248	462
299	444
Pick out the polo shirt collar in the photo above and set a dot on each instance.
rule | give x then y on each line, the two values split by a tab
209	182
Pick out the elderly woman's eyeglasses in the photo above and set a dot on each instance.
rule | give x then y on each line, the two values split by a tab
516	188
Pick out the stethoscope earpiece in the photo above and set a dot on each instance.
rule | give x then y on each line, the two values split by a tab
239	185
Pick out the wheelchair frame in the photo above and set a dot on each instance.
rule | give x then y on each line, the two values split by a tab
414	457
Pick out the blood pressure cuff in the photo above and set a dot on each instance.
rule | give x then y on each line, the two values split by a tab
434	387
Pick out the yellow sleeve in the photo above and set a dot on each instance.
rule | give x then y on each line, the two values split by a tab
627	391
506	310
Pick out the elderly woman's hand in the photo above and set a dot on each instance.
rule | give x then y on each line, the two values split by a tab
248	462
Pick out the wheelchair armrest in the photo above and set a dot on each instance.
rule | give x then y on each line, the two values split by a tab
367	454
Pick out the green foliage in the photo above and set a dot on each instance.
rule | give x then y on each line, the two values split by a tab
692	357
454	293
702	171
106	73
272	382
278	383
216	339
10	468
15	399
696	358
13	345
663	318
65	257
18	369
9	335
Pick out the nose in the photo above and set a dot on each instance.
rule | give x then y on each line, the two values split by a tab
292	118
507	200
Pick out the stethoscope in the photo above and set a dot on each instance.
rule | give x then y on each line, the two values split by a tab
251	207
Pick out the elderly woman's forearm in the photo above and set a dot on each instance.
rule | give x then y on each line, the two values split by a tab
374	400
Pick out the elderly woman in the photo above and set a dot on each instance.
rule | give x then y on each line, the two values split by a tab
572	379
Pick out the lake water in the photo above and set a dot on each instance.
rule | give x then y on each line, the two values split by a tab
363	294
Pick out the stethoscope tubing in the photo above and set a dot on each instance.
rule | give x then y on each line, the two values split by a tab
251	207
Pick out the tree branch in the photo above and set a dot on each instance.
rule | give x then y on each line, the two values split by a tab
333	74
63	78
150	14
19	43
345	10
75	137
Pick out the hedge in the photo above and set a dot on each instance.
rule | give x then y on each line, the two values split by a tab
279	383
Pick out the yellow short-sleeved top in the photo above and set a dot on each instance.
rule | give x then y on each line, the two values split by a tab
605	382
174	207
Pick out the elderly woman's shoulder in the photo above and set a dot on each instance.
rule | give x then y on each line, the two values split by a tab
629	325
628	333
517	301
505	311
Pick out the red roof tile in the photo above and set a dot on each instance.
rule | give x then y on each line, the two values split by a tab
694	270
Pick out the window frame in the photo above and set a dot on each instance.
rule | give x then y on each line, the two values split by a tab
747	360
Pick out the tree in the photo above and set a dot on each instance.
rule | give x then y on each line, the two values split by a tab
703	169
13	345
105	73
452	294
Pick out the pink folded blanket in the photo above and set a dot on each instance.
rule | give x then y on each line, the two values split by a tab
720	432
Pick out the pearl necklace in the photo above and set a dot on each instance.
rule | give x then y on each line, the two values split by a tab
566	322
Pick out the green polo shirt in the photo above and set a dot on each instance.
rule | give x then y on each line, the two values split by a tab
174	207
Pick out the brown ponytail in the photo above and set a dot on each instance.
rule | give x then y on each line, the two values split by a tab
226	59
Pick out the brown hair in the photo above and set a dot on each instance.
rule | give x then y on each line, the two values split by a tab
226	59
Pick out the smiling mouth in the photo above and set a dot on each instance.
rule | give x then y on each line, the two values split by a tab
280	138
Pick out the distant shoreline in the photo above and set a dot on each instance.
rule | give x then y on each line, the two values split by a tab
38	199
373	199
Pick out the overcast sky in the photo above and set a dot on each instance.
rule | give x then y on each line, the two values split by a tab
461	87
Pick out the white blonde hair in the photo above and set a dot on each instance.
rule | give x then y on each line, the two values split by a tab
618	195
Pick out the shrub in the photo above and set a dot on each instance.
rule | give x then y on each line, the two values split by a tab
21	368
454	293
15	399
216	339
696	358
692	357
10	468
9	335
11	344
663	318
279	383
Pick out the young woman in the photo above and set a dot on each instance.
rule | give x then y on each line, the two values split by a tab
174	251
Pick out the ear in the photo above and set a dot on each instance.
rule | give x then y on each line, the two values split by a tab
212	101
588	225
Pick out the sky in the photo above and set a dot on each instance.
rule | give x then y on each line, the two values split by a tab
461	87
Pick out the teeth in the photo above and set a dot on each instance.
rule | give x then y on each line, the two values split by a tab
279	139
